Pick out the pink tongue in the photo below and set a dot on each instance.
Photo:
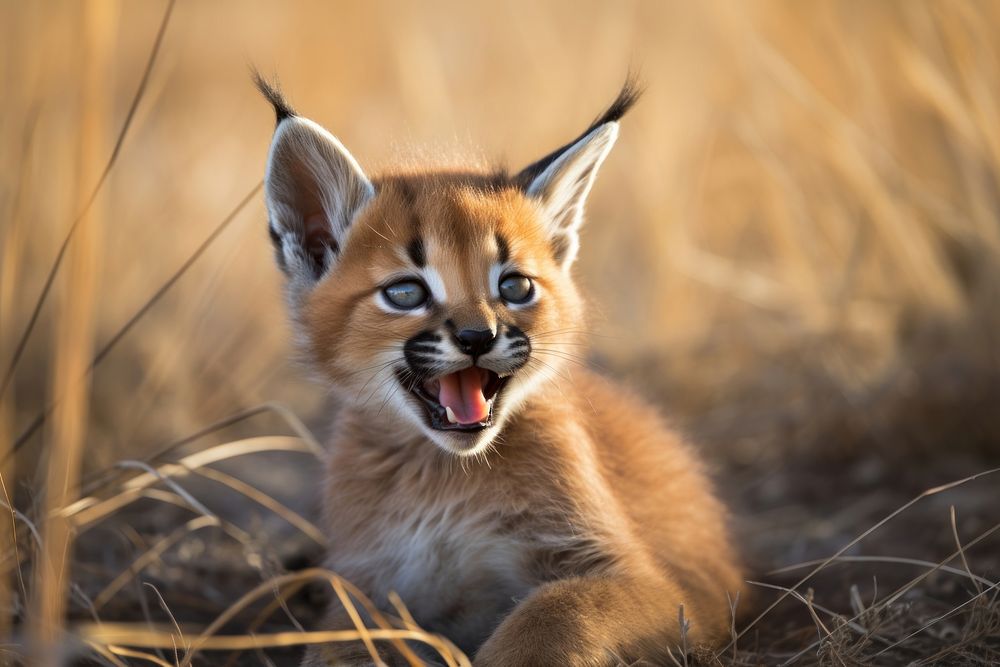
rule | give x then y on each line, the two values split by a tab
463	393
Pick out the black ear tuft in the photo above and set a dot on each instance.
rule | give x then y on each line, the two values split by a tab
282	109
627	97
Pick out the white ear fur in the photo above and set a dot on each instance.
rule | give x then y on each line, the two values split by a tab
314	188
563	187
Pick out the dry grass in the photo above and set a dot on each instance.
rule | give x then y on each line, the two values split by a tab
795	248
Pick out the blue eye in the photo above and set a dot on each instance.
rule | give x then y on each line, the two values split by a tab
406	294
516	288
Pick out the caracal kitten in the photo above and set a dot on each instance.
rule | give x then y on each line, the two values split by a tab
522	506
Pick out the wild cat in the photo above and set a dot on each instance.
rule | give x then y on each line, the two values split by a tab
529	510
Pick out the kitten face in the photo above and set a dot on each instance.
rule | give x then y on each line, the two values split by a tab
445	309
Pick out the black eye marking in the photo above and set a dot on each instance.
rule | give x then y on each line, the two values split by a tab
503	250
417	253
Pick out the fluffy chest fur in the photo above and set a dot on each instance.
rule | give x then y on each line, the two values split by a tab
461	542
457	569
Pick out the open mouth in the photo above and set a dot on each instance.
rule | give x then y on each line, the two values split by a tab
461	401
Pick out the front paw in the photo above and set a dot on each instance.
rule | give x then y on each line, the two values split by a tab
538	654
526	643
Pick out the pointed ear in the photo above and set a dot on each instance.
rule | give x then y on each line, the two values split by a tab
314	188
561	180
563	187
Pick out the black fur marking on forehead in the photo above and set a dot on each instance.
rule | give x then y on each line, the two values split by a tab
627	97
282	109
405	190
416	252
503	249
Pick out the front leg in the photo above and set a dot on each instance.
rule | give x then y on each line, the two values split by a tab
591	621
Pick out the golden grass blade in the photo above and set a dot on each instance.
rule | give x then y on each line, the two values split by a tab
102	479
10	267
174	486
382	621
90	509
107	654
128	635
961	551
271	443
75	332
253	493
120	500
359	625
442	646
128	653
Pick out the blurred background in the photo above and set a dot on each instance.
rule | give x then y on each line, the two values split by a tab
794	249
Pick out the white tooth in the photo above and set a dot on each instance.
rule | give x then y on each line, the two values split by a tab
451	415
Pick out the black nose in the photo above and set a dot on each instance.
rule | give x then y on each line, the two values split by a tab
475	342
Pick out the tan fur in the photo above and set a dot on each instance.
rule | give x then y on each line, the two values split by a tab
573	530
